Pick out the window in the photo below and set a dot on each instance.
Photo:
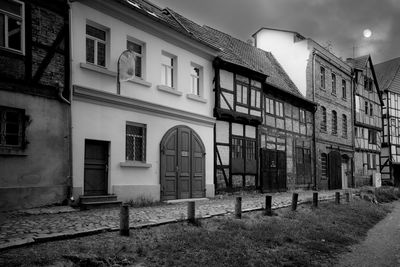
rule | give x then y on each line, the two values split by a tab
237	148
323	122
250	150
344	89
278	109
372	137
371	109
269	105
241	94
137	50
366	107
371	158
255	98
167	70
358	104
195	80
95	45
333	84
322	77
11	127
11	25
324	166
344	126
302	116
334	122
135	142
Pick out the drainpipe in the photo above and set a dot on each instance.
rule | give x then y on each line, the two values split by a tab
314	128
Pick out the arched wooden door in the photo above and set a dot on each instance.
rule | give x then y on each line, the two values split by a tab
335	170
182	163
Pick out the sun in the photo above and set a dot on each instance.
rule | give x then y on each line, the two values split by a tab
367	33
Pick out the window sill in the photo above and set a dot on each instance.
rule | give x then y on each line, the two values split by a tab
12	152
196	98
135	164
333	94
104	70
169	90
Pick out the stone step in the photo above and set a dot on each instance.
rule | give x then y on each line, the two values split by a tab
100	198
100	204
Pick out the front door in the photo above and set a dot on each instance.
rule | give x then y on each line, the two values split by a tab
182	164
273	170
396	174
335	170
96	168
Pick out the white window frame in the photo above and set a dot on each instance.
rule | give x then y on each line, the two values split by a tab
199	79
142	55
165	68
22	18
97	40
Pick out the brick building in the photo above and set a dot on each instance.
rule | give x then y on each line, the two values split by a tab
34	107
325	79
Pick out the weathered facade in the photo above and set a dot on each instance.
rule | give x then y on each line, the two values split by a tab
325	79
34	107
264	128
388	77
152	137
367	122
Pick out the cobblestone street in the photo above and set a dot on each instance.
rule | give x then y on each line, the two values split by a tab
38	225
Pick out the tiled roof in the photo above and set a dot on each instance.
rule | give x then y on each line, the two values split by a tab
386	72
231	50
360	62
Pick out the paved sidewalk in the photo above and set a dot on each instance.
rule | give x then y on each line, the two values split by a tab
39	225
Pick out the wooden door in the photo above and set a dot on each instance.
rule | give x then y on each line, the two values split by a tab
96	168
335	170
182	164
273	170
396	174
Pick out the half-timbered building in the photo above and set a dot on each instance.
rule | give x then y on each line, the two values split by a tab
325	79
34	103
367	122
263	133
388	75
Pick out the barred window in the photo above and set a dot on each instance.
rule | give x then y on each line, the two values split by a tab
334	122
135	142
324	166
237	148
250	149
344	125
11	127
323	123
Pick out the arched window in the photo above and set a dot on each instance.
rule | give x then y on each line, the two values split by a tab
334	122
324	166
344	126
323	122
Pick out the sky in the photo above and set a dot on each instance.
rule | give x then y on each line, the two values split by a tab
338	24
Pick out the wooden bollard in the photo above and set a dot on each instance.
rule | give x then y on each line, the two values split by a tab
124	220
315	200
268	205
295	197
191	212
347	196
337	197
238	207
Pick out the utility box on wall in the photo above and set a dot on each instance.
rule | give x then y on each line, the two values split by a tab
377	180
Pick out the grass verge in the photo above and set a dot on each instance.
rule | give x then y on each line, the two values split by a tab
303	238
